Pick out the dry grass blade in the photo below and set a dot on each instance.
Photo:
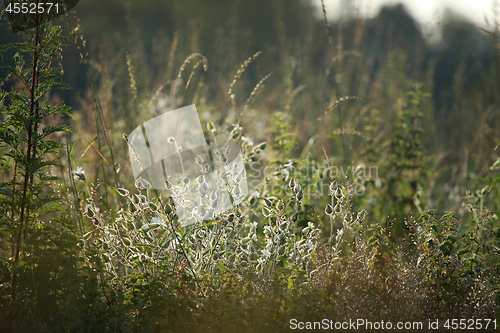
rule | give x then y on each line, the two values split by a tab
133	83
155	96
255	90
201	61
337	86
136	155
188	61
327	25
171	58
240	71
327	159
97	150
341	99
292	95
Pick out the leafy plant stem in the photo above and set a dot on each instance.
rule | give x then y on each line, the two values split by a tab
23	215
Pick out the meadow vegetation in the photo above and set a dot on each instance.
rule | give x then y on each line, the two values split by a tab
369	197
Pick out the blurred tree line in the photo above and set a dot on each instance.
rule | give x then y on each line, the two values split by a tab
254	24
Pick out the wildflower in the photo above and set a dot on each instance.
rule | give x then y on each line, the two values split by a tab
79	173
265	254
257	194
248	140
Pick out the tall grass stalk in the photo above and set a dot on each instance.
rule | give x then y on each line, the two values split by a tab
345	148
100	120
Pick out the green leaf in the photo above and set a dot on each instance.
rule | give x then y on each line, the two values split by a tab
6	191
70	150
448	246
496	181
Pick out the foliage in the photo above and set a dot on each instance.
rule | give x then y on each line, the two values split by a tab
31	220
88	248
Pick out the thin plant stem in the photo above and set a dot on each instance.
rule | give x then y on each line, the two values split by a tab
336	86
